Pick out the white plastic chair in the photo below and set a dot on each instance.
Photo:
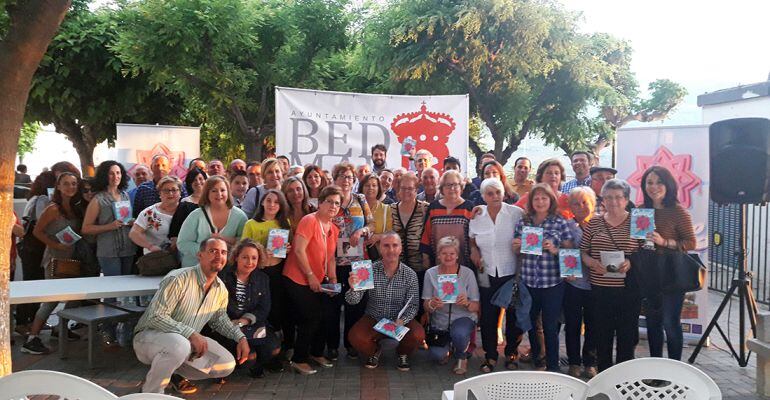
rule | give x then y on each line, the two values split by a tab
19	385
148	396
625	381
519	385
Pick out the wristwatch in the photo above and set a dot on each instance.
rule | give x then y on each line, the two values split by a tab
240	324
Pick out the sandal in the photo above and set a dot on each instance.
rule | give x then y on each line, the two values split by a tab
488	366
512	363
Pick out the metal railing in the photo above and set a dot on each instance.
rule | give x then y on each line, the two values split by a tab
726	231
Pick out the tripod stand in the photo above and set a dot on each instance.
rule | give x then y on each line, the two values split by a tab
746	305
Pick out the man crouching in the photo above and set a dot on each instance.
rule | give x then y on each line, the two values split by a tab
168	338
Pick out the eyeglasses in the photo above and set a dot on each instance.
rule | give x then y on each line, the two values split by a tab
452	185
348	177
408	189
88	190
170	191
333	203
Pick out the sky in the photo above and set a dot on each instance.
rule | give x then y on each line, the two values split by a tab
703	45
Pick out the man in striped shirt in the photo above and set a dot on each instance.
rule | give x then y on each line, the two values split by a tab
168	338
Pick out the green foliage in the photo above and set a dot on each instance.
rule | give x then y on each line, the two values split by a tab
228	55
80	86
27	138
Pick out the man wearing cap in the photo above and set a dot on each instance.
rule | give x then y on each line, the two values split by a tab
599	175
581	162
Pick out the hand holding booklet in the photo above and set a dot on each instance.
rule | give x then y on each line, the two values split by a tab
67	236
363	272
390	328
277	241
612	261
569	263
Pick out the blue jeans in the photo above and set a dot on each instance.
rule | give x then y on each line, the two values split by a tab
663	312
579	311
460	337
547	301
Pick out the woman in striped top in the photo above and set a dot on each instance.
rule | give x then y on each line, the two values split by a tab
616	305
673	231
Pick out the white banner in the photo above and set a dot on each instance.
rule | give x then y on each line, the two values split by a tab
137	144
325	128
683	150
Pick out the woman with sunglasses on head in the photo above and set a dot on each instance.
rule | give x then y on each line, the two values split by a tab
371	188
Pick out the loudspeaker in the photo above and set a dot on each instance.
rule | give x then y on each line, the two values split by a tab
740	152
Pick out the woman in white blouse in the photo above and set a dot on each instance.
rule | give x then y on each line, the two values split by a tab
491	233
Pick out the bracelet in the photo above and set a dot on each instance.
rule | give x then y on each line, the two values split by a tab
309	274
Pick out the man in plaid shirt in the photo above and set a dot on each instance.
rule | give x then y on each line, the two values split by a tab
394	297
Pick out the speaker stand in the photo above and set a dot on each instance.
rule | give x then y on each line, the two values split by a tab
746	305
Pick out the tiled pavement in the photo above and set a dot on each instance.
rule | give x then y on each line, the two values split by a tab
120	373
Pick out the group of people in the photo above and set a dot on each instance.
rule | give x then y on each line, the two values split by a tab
234	302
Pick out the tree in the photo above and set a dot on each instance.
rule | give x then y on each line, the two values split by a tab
81	89
26	29
227	56
27	139
526	67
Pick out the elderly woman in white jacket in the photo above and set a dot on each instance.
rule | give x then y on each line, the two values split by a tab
491	233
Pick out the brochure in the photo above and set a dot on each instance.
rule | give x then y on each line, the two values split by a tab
122	211
448	289
50	193
612	260
345	249
331	287
277	241
532	240
642	222
390	329
67	236
569	263
407	146
363	271
204	362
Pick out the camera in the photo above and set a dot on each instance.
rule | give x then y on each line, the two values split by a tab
612	268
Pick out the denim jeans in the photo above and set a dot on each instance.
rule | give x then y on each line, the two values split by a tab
460	337
547	301
579	311
663	312
488	323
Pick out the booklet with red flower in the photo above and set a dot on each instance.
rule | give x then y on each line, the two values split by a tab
569	263
277	240
642	222
448	288
532	240
363	271
122	211
391	329
407	145
67	236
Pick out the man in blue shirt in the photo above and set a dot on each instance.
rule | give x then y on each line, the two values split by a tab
581	164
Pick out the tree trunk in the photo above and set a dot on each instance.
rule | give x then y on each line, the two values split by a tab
82	139
33	23
86	155
253	145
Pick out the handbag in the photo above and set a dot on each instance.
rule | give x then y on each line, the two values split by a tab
157	263
438	337
686	272
60	268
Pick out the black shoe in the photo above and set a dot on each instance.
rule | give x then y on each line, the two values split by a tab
539	365
332	354
403	363
71	336
352	354
274	366
182	385
373	361
34	346
257	372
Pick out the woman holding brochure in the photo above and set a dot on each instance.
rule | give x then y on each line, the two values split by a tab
311	263
673	232
538	236
616	305
273	217
491	237
58	227
451	299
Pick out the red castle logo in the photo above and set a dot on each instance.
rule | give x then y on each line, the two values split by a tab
430	130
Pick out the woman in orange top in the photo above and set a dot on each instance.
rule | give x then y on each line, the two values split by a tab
312	262
551	172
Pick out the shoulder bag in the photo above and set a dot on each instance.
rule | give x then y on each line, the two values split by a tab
685	272
157	263
64	268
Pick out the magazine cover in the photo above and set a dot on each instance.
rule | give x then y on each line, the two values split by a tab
122	211
277	241
389	328
532	240
612	260
407	146
569	263
345	249
448	289
331	287
363	271
642	222
67	236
